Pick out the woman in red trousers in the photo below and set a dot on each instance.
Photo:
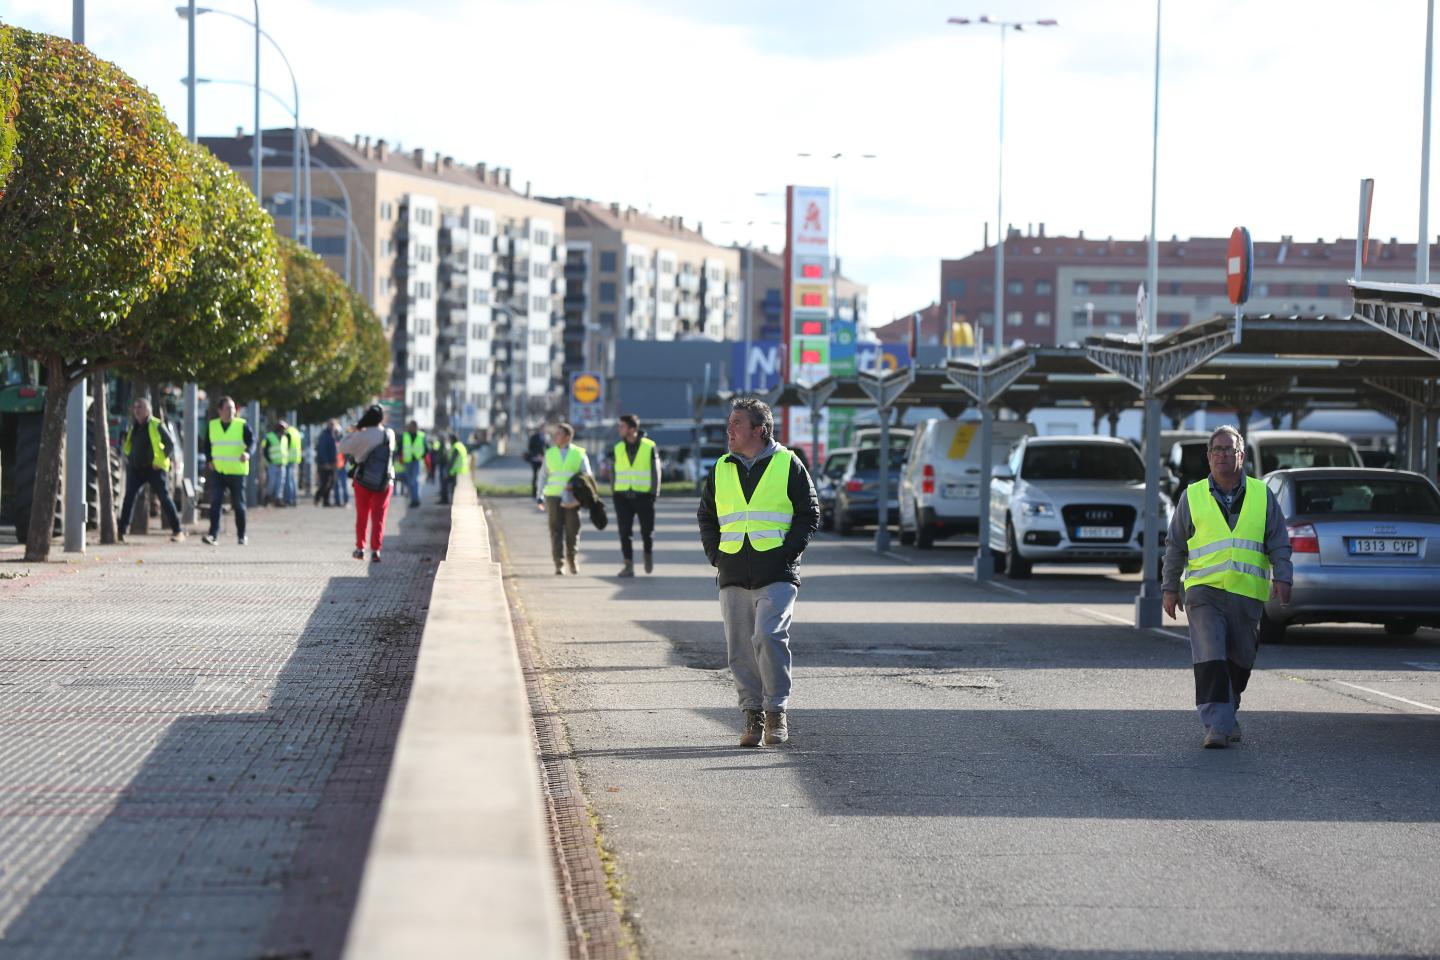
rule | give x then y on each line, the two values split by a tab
370	504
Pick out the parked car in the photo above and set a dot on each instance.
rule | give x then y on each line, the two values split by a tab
940	488
863	437
826	480
1366	548
1069	500
1269	450
857	491
1188	461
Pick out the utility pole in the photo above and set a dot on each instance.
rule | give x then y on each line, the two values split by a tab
75	438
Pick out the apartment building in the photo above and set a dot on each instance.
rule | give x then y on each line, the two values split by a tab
631	276
767	274
1062	289
463	267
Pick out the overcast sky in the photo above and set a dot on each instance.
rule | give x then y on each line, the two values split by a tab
1270	112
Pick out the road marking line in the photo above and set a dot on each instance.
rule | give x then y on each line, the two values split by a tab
1423	664
1108	616
1176	634
1387	696
1007	588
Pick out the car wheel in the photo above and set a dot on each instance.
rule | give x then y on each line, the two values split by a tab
1401	628
924	533
997	561
1271	631
1131	566
1017	567
843	526
827	520
907	537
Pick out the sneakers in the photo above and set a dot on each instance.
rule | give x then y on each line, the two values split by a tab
243	541
210	538
754	728
777	729
358	554
571	566
649	562
1215	740
375	557
559	568
177	536
627	571
119	538
1235	734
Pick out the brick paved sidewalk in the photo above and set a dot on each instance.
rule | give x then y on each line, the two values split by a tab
194	740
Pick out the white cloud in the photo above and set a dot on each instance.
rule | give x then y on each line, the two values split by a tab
1271	112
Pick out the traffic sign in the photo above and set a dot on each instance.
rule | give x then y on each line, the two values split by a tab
1239	265
586	388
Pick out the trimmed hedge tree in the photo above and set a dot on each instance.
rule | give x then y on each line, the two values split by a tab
369	372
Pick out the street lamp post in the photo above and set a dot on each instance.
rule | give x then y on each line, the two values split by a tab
75	427
1147	604
1004	26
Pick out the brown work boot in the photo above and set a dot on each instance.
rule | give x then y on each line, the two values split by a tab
559	570
649	562
754	727
777	729
627	571
571	566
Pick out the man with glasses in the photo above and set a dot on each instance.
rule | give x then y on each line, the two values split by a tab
1226	553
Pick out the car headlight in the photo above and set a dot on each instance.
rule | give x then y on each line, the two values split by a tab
1036	508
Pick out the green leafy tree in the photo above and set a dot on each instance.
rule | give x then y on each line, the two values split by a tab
369	372
316	353
99	214
9	104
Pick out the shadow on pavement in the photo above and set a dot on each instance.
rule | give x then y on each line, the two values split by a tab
1034	952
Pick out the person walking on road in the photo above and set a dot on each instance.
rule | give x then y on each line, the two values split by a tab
535	455
412	459
757	513
228	442
1226	553
277	452
294	456
148	447
637	484
459	464
561	463
373	480
327	440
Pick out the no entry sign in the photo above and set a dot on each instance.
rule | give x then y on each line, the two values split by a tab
1239	265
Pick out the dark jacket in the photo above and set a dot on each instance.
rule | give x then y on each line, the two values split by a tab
141	456
326	452
750	568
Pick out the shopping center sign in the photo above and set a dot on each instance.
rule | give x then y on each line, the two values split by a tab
807	304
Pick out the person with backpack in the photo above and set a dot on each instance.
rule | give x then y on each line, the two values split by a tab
372	448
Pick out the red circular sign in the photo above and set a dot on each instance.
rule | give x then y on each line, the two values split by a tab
1239	265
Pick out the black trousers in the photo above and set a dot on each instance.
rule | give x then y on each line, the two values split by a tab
155	480
627	508
219	483
326	486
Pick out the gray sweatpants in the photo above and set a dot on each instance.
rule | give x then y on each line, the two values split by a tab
757	640
1224	637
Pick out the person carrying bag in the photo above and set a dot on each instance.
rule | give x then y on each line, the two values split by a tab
371	447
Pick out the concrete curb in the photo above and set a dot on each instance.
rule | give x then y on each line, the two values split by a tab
460	862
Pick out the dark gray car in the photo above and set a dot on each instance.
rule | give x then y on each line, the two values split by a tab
1366	548
836	461
857	491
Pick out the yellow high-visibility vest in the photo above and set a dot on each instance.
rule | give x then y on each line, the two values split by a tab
295	442
412	447
765	517
277	448
1232	560
459	459
637	476
559	469
157	449
226	446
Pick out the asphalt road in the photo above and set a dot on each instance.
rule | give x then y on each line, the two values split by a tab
981	771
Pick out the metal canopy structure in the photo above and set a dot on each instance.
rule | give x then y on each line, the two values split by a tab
1408	311
928	387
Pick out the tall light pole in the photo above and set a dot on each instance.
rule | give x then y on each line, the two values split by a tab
75	480
1422	250
191	433
1147	604
1004	26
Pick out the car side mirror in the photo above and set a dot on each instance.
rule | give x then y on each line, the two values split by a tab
1001	471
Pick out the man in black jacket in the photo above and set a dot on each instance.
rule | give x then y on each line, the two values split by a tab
757	513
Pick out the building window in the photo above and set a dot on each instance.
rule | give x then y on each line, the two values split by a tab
1015	287
1112	319
387	211
607	261
479	297
1322	290
479	331
477	365
1081	288
954	288
482	227
1114	286
387	248
1262	289
422	362
1014	319
607	292
542	238
328	246
1080	318
420	400
539	371
480	261
1042	318
607	318
540	338
1043	288
540	271
1175	287
477	400
667	295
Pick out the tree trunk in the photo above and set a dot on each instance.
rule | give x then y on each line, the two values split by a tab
140	516
100	429
47	463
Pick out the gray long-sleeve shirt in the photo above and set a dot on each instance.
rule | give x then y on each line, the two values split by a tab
1182	528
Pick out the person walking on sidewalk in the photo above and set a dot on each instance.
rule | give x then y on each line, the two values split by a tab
228	442
757	513
535	456
277	452
373	480
327	440
637	484
1228	542
562	463
459	464
294	457
148	447
412	459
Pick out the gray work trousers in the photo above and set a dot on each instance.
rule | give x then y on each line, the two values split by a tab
757	641
1224	637
564	523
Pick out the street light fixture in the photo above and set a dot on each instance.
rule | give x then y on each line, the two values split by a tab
1004	26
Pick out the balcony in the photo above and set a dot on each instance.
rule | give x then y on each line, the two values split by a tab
575	303
576	270
503	246
688	281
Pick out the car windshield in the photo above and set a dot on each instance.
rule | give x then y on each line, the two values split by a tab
871	438
1363	495
1082	461
836	465
869	459
1287	456
1193	460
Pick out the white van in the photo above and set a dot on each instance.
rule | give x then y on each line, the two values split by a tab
1271	450
940	486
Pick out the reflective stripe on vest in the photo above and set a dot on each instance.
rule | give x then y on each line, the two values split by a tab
637	476
766	517
1231	560
559	471
226	446
157	449
412	448
294	451
459	459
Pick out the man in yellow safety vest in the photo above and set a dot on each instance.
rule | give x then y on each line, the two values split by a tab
294	456
148	447
277	453
562	463
1227	551
637	484
227	445
412	459
757	513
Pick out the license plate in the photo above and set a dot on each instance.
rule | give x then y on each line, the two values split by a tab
1099	533
958	490
1384	546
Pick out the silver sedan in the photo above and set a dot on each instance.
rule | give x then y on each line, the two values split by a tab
1366	547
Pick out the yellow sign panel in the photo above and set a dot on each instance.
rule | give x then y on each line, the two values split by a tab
586	388
960	443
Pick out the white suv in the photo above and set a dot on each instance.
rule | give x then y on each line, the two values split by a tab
1069	500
